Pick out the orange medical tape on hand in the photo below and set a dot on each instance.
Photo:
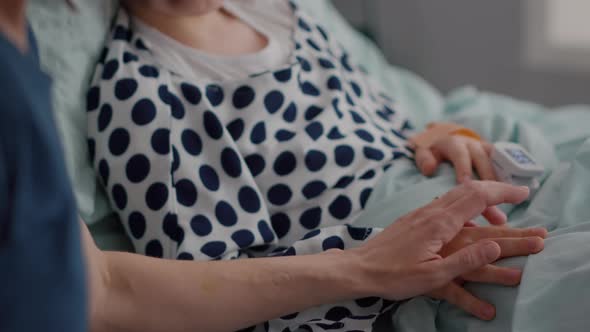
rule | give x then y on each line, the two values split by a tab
437	130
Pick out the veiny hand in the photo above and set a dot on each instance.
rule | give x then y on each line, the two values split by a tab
465	153
512	241
420	253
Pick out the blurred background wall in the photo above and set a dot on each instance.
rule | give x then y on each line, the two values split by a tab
533	49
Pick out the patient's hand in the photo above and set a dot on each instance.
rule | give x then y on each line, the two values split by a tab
512	242
463	152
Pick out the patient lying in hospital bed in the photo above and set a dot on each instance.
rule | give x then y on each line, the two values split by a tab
470	110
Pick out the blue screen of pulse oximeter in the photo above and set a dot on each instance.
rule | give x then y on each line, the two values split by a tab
519	156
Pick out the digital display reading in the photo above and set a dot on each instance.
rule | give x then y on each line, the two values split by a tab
520	157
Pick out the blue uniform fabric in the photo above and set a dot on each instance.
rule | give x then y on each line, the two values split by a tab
42	281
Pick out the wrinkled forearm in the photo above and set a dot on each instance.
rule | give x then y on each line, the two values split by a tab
146	294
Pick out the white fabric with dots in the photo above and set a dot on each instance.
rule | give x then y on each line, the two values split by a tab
277	163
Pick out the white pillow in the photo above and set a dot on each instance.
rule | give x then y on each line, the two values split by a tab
69	44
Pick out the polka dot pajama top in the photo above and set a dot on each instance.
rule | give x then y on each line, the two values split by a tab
277	163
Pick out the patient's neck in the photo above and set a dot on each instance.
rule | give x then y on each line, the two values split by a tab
217	32
13	24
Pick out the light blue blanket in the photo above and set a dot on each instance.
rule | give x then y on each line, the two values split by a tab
554	294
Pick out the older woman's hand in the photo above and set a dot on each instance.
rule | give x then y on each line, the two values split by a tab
425	251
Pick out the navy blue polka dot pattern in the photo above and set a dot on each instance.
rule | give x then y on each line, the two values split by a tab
284	135
92	98
149	71
91	149
243	97
341	207
357	118
303	25
326	64
110	69
119	141
129	57
337	314
209	177
365	194
154	249
280	168
185	256
176	107
305	65
201	225
137	224
335	134
285	163
334	83
156	196
310	89
104	117
280	224
333	242
311	218
119	196
186	192
226	215
312	112
122	33
314	130
215	94
249	200
279	194
143	112
344	155
283	75
191	141
314	189
344	181
372	153
313	45
171	229
230	162
243	238
265	231
214	248
191	93
273	101
236	128
290	114
160	141
125	88
255	163
315	160
212	125
365	135
104	171
258	134
138	168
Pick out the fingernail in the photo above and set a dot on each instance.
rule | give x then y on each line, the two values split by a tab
488	312
491	249
533	244
516	274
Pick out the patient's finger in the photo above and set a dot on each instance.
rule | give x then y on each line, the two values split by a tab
458	155
511	247
491	274
495	216
458	296
506	232
426	161
488	148
481	161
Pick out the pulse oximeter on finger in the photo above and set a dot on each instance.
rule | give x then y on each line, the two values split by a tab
515	165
